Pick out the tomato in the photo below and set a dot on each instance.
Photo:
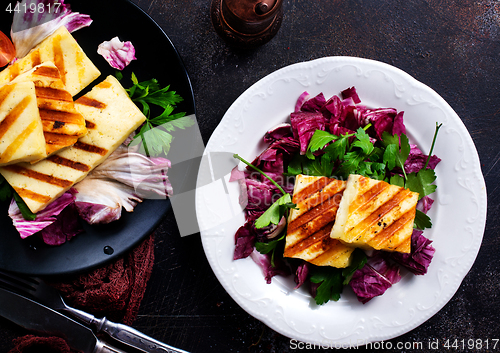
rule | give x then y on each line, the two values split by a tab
7	50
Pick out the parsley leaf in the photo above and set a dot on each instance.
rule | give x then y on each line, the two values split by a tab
25	211
275	212
338	149
5	190
422	221
271	246
331	284
6	194
421	182
397	150
155	132
318	140
265	248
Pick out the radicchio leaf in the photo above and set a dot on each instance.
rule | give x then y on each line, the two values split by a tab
301	274
44	218
416	160
30	28
64	228
117	53
374	278
264	261
244	241
123	180
304	124
420	257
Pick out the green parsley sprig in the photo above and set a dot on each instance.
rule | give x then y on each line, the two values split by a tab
155	133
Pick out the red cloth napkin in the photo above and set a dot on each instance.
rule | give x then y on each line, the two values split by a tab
115	291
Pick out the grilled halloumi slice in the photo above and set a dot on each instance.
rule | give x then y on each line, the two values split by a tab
62	123
375	215
308	231
77	70
21	133
111	117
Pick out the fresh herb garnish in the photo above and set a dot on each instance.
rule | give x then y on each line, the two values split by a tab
7	193
5	190
331	280
271	247
25	211
278	209
422	221
155	132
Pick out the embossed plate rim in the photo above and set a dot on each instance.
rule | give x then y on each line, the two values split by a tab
457	232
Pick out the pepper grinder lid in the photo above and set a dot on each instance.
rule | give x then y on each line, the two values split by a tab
247	23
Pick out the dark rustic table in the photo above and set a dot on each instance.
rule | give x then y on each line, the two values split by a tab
451	46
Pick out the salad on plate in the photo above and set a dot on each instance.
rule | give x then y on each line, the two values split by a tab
339	197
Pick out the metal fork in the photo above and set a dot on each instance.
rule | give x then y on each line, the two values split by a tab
36	289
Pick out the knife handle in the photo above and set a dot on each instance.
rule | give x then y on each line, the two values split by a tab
134	338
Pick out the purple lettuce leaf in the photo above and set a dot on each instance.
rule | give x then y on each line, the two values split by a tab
301	100
239	176
425	204
264	261
398	127
313	104
30	28
382	120
420	257
301	274
65	227
117	53
278	132
43	219
351	93
260	195
374	278
244	241
333	110
96	213
304	124
286	146
417	159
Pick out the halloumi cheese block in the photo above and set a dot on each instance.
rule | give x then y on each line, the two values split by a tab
77	70
308	231
21	133
375	215
111	117
62	123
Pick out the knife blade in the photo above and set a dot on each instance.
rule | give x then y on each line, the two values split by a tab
41	319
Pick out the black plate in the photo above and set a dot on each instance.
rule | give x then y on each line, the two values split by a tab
156	58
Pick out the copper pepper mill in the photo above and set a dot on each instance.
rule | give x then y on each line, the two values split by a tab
247	23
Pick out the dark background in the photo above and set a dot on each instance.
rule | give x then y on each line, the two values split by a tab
451	46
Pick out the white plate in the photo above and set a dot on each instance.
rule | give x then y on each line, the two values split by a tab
459	213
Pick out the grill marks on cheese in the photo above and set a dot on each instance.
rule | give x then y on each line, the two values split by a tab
21	135
308	232
375	214
62	123
77	71
41	183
